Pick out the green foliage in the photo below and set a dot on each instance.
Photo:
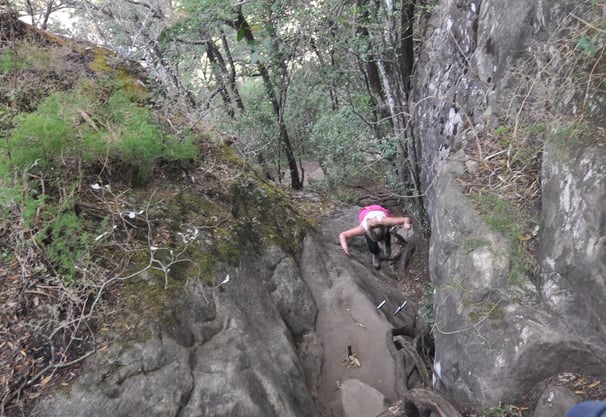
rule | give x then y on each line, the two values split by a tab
496	412
429	7
9	63
339	141
470	244
180	149
315	65
587	46
256	127
92	123
44	153
67	244
30	208
427	310
501	215
42	136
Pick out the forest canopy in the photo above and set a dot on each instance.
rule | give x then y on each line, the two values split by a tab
325	81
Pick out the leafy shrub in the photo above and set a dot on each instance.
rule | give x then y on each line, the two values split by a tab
42	136
338	141
67	243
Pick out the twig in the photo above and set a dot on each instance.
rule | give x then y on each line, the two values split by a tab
587	23
42	372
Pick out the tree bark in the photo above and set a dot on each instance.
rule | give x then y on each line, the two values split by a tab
231	73
158	59
405	63
370	66
218	69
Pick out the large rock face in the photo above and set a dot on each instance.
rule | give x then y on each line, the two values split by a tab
222	352
573	244
499	332
272	341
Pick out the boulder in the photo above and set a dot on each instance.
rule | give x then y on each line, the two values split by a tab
361	400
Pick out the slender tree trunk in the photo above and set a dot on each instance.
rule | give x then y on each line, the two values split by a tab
370	65
370	62
389	73
231	73
172	75
295	180
331	89
218	69
405	63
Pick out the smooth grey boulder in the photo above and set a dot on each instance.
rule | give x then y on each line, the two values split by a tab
360	399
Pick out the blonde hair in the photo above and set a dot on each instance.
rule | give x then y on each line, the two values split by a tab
377	233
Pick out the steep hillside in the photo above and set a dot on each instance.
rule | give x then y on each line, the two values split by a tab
147	270
102	186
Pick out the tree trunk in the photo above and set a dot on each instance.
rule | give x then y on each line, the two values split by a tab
332	88
219	70
160	62
405	63
231	73
370	67
295	180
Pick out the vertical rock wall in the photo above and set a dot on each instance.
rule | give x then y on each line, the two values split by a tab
489	65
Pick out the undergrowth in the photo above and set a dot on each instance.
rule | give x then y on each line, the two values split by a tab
98	187
74	141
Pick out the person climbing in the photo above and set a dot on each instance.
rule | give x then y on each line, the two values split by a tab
375	222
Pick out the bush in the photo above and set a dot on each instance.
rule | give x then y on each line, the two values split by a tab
82	125
342	145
